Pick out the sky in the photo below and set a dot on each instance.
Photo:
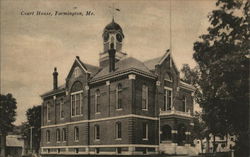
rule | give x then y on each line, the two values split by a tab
32	45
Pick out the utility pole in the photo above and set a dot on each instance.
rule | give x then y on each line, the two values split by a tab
31	140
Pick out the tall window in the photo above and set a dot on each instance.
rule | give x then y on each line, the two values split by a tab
61	109
81	101
97	101
76	134
144	131
118	130
76	104
48	136
48	112
167	99
184	104
97	132
77	101
58	135
118	97
144	97
64	135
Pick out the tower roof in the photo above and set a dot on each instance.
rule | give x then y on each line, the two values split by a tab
113	26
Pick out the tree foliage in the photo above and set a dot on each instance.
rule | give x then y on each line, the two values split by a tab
34	121
8	113
223	59
7	117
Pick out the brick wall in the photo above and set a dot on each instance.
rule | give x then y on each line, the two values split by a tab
108	99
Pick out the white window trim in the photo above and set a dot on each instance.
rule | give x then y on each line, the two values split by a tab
168	80
81	103
64	134
95	133
185	101
145	109
170	89
144	139
116	131
117	98
48	137
97	102
76	140
58	131
61	108
48	108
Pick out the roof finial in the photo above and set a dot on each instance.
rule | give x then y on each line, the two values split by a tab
113	12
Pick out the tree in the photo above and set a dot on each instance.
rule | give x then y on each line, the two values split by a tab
200	129
33	126
7	117
223	59
192	76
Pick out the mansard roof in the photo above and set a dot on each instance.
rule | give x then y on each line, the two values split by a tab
124	65
60	89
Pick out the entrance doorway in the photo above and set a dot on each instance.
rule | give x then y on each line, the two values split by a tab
166	134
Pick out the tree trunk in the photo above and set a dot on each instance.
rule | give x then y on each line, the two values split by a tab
3	145
201	146
214	149
208	145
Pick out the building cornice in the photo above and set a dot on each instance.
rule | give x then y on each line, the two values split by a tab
102	119
122	73
187	86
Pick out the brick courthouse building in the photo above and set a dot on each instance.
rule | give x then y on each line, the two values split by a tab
124	106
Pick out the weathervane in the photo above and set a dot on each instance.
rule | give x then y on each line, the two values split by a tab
113	11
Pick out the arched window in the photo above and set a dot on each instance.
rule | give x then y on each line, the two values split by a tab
77	99
58	135
118	130
97	101
76	134
97	132
48	136
144	97
48	112
118	96
64	135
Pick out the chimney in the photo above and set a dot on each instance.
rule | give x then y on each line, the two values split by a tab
112	52
55	79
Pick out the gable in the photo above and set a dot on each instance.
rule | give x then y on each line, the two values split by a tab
84	68
169	58
76	67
